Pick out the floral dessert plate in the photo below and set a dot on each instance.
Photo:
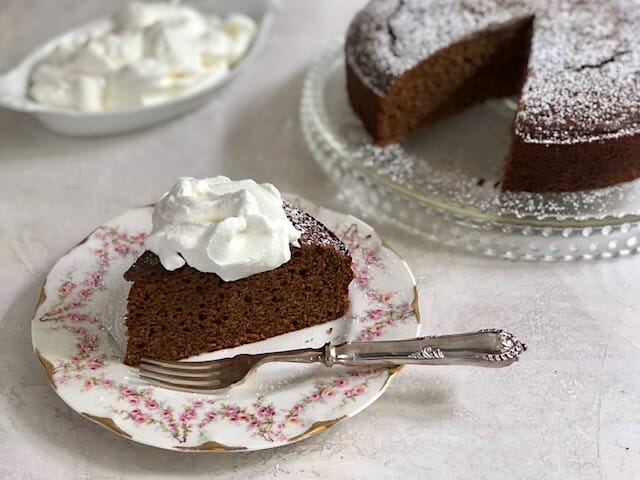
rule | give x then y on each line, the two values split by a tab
79	337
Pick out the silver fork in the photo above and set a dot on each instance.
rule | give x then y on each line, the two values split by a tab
485	348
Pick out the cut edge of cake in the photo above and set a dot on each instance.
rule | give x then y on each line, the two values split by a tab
194	312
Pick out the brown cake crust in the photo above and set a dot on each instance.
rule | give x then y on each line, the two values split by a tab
575	64
177	314
540	167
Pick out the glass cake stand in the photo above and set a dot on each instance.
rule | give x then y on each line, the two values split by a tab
443	181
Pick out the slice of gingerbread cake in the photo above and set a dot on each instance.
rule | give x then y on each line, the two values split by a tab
216	273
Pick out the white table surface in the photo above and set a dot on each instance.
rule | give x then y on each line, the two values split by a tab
570	409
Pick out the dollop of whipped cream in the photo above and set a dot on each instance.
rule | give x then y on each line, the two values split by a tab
231	228
153	52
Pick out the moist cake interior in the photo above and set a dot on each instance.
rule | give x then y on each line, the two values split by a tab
489	64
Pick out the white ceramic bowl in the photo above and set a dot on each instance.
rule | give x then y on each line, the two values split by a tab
14	85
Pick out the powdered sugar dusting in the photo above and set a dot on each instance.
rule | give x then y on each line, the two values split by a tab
455	187
313	232
584	78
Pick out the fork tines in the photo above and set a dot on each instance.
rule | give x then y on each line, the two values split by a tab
189	376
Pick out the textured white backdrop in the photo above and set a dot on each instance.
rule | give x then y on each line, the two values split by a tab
569	410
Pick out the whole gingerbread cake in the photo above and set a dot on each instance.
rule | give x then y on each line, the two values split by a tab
174	314
574	63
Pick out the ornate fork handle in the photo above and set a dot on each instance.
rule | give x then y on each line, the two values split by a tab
485	348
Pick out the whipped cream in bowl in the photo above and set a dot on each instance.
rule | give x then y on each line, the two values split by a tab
146	64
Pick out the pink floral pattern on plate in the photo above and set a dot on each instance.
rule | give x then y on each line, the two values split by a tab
70	332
